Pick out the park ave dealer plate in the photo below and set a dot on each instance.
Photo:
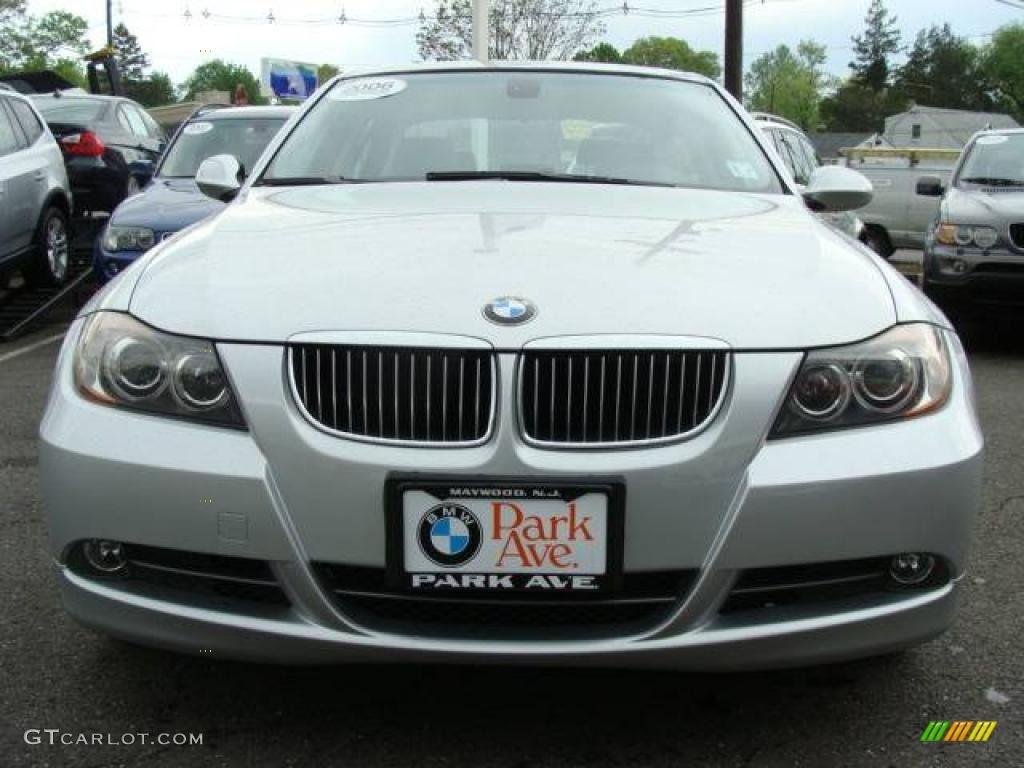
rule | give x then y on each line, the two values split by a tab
484	536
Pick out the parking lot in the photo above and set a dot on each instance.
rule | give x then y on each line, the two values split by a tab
60	676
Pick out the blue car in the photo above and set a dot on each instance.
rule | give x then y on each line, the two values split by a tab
172	201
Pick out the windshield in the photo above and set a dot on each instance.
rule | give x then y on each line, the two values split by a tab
70	110
245	138
530	126
996	160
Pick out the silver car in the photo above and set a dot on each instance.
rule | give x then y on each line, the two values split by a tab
514	363
35	198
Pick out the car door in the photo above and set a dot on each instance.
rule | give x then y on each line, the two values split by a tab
38	154
17	185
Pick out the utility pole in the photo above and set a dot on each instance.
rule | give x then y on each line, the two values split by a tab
481	22
734	48
110	24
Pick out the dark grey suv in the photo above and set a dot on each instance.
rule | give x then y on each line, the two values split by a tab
35	199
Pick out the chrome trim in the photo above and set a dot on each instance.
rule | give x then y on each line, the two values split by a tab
658	344
298	401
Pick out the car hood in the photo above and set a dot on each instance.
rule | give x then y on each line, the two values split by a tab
166	205
985	206
756	271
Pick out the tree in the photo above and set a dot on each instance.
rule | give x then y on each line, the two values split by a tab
943	70
219	75
325	72
39	42
152	91
855	107
602	52
519	29
130	58
790	84
671	53
873	49
1003	63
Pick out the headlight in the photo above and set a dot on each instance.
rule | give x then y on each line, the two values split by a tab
902	373
121	362
128	239
953	234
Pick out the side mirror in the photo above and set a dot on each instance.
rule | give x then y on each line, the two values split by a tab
142	170
835	188
930	186
220	177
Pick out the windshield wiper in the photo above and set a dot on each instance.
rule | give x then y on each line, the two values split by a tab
994	181
538	176
304	181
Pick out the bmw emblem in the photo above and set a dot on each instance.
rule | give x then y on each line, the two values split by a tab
449	534
510	310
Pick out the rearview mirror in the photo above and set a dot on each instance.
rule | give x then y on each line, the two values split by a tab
835	188
930	186
142	170
220	177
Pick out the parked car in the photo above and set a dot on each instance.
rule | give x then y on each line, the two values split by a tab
110	144
898	216
462	374
974	251
35	198
172	201
801	160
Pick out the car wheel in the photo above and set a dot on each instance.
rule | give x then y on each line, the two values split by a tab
53	250
877	241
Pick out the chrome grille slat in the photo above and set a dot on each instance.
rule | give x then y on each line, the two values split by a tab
639	396
388	394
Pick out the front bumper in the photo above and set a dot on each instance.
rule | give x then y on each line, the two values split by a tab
993	278
720	504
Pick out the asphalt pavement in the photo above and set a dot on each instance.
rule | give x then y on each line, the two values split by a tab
59	676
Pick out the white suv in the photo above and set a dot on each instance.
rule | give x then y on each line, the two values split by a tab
35	199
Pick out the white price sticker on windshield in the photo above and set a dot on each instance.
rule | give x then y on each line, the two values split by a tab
193	129
366	88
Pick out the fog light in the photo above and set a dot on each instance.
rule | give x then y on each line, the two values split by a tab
911	568
106	556
959	266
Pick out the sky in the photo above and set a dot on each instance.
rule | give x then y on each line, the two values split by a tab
176	45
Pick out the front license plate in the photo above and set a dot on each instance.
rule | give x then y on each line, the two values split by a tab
472	537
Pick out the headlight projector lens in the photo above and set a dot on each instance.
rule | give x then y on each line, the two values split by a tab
821	392
199	381
886	383
136	368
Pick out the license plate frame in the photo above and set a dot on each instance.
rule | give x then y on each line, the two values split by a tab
439	486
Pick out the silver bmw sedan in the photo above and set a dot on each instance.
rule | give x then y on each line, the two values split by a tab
514	363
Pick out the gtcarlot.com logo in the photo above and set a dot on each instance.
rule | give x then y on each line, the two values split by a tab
55	736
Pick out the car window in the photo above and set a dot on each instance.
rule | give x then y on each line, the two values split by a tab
152	126
810	155
27	119
199	139
645	130
70	110
135	122
9	139
796	160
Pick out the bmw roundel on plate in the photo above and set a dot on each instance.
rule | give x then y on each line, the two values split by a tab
506	362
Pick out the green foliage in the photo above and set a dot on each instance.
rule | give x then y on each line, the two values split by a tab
856	107
325	72
943	70
519	29
30	42
1003	63
154	90
131	60
602	52
874	49
672	53
219	75
789	84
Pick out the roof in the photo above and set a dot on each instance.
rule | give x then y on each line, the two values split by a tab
829	144
765	117
956	125
252	113
42	81
538	66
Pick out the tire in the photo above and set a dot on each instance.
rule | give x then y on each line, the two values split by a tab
878	241
52	257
